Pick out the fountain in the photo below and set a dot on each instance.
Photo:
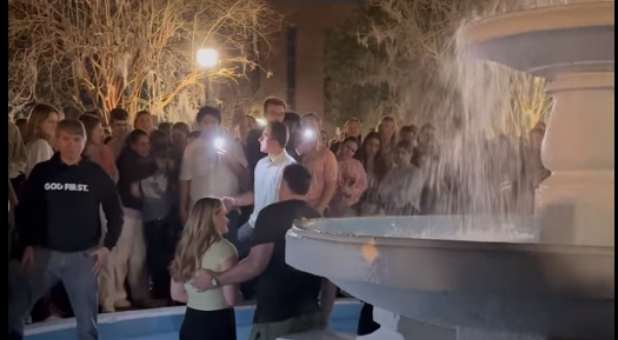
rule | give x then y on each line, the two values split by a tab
432	277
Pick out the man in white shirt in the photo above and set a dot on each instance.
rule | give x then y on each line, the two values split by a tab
268	175
214	165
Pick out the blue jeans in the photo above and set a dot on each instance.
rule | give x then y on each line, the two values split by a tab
76	272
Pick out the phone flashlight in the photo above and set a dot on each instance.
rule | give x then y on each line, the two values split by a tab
219	143
261	122
308	134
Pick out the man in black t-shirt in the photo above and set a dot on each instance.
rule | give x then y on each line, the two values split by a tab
288	300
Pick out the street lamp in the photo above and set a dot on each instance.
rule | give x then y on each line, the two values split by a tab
207	57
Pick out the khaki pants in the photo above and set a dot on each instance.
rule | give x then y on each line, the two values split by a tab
274	330
126	261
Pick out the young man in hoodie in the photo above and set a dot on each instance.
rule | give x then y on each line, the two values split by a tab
60	227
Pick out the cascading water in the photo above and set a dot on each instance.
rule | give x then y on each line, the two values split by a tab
479	161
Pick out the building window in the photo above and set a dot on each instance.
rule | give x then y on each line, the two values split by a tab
291	67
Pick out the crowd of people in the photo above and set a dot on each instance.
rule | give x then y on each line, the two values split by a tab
137	215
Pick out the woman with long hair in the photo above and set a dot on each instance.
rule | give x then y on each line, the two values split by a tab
371	158
387	129
96	150
39	136
209	314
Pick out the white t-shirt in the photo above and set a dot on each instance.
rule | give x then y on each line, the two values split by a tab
37	151
214	259
268	175
209	174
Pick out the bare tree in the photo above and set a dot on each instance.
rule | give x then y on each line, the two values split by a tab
411	61
134	54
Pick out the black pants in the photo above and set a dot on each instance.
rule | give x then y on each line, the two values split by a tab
160	245
366	325
201	325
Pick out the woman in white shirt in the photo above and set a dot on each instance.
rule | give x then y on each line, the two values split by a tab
210	313
39	136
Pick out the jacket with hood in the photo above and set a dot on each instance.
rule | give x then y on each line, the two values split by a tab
60	209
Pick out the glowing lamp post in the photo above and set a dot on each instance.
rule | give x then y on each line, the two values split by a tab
207	58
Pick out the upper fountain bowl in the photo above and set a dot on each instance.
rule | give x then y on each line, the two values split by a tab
545	41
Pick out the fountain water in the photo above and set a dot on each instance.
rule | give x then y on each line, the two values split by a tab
433	278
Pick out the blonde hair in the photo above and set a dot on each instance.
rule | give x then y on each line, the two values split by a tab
198	235
39	114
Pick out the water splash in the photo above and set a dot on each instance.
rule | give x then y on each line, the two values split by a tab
478	162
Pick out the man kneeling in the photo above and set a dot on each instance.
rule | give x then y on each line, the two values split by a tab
288	301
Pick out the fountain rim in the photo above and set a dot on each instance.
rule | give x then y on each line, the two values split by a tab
545	18
305	230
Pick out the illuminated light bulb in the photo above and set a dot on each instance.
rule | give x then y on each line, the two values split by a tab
207	57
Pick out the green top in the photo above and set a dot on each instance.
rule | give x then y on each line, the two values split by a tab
212	260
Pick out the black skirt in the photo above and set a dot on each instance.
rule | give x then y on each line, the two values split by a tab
207	325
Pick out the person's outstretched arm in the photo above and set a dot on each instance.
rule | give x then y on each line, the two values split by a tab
230	291
241	200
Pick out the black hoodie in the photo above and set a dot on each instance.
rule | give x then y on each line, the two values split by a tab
60	206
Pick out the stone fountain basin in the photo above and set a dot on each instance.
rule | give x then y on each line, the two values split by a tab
427	268
545	41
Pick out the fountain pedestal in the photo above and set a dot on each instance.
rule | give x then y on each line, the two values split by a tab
575	205
572	47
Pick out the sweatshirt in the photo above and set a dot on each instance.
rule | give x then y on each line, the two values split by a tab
60	206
